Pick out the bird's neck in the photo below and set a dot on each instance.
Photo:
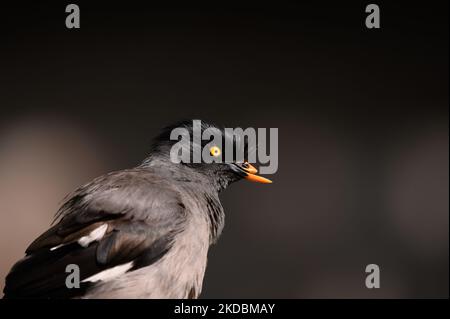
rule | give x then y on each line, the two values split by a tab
216	216
199	187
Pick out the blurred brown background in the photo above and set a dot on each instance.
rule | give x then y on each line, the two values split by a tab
363	132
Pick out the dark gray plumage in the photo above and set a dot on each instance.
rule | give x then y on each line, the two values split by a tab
137	233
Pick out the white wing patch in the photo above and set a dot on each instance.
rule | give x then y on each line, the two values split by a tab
94	235
56	247
84	241
110	273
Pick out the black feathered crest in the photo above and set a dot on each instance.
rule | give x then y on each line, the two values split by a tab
162	144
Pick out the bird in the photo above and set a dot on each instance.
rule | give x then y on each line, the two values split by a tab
141	232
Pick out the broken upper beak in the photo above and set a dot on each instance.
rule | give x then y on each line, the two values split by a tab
249	173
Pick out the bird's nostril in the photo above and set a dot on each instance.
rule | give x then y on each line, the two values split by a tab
245	165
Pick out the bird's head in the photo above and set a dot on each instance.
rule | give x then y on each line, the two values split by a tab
214	152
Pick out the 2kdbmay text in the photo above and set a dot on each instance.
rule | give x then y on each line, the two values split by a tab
221	308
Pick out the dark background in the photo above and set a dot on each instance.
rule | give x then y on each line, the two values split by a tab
363	131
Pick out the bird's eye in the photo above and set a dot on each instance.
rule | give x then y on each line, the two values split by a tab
215	151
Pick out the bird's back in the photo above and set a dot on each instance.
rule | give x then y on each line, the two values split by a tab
131	233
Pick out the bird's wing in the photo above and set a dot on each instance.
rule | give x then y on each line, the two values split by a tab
125	219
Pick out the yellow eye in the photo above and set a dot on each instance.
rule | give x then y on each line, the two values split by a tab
215	151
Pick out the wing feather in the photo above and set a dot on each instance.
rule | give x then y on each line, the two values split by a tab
142	213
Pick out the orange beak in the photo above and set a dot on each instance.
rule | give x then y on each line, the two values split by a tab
251	171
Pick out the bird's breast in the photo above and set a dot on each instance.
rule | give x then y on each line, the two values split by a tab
178	274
